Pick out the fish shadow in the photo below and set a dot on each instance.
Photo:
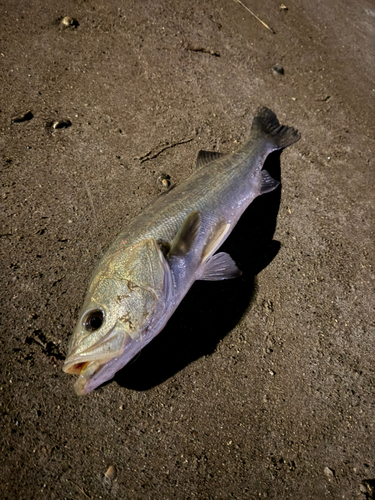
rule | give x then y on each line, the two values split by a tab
211	310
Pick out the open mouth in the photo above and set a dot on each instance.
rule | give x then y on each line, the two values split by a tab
102	351
77	369
96	364
82	367
86	371
91	364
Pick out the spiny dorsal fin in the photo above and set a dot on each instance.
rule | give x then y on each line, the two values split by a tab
268	183
186	236
206	157
220	267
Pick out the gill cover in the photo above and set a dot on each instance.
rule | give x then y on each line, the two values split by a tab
130	291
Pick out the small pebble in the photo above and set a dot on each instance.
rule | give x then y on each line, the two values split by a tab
68	22
111	473
329	473
278	69
23	117
363	488
283	7
164	180
61	124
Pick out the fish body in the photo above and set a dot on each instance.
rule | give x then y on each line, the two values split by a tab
150	267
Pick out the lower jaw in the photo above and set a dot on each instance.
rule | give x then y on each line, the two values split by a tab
88	370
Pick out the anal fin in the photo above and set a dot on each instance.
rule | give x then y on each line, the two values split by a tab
219	267
268	183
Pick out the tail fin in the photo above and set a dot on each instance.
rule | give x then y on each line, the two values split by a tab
267	124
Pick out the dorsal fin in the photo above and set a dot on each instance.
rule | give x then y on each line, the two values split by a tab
206	157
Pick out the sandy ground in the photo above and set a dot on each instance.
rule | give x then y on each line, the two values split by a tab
259	387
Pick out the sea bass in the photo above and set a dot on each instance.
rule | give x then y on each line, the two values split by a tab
150	267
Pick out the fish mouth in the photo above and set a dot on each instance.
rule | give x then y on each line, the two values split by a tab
77	368
82	357
85	371
93	362
88	370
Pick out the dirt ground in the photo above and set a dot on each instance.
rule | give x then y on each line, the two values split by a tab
259	387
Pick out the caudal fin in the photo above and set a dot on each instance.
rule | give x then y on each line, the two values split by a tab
266	124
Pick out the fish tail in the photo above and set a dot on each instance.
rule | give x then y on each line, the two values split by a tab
266	124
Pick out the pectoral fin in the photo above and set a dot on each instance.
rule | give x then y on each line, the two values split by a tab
206	157
186	236
220	267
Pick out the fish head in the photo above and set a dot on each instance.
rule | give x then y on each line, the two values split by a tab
126	302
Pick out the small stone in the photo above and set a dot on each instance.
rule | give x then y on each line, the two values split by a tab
329	472
283	7
61	124
363	488
278	69
111	473
68	22
164	180
24	117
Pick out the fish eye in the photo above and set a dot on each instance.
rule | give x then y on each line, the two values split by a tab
94	320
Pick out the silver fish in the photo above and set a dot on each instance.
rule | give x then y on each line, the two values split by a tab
150	267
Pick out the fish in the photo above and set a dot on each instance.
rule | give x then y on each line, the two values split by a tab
151	265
